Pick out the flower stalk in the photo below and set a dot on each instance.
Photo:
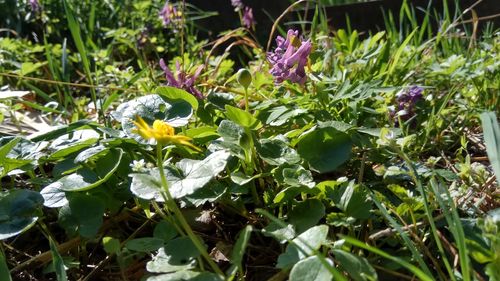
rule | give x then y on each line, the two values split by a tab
172	206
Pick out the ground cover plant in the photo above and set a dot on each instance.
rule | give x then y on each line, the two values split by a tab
132	149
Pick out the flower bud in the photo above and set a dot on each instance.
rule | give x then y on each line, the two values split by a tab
244	77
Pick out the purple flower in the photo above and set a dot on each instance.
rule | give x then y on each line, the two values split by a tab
237	4
248	20
35	5
170	15
290	58
183	80
406	101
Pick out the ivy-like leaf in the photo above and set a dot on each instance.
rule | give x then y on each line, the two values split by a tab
325	149
19	210
190	176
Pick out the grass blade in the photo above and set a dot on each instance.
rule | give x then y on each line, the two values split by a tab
492	140
4	269
454	226
415	252
413	269
58	262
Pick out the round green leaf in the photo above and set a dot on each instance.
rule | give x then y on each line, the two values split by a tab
172	93
325	149
86	179
190	176
82	215
19	211
310	269
358	267
144	244
277	152
306	214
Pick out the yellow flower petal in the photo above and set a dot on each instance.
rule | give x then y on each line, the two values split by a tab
162	132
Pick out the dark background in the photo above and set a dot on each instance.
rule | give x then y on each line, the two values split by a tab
366	16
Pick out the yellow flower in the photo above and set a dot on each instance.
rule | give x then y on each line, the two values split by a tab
162	132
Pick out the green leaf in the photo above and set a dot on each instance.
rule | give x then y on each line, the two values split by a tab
212	192
303	245
151	108
73	142
352	199
242	118
164	230
29	67
58	262
197	173
492	140
235	139
172	93
111	245
278	232
277	152
7	164
85	179
293	175
306	214
59	131
191	176
6	148
164	262
4	269
25	149
310	269
19	210
82	215
358	267
230	131
53	196
144	244
415	270
91	153
240	246
325	149
185	275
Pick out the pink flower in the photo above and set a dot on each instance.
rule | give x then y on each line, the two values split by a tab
248	20
290	58
170	15
237	4
35	5
183	80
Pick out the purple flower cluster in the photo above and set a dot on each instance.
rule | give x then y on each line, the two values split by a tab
405	104
183	80
170	15
248	20
290	58
237	4
35	6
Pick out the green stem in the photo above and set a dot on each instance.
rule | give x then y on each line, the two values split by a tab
177	212
246	99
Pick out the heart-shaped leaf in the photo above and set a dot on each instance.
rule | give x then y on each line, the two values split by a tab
19	210
325	149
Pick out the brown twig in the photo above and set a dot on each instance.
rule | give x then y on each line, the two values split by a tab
276	22
449	247
21	77
392	272
46	257
390	231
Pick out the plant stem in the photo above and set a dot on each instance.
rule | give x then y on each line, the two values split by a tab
177	212
246	99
